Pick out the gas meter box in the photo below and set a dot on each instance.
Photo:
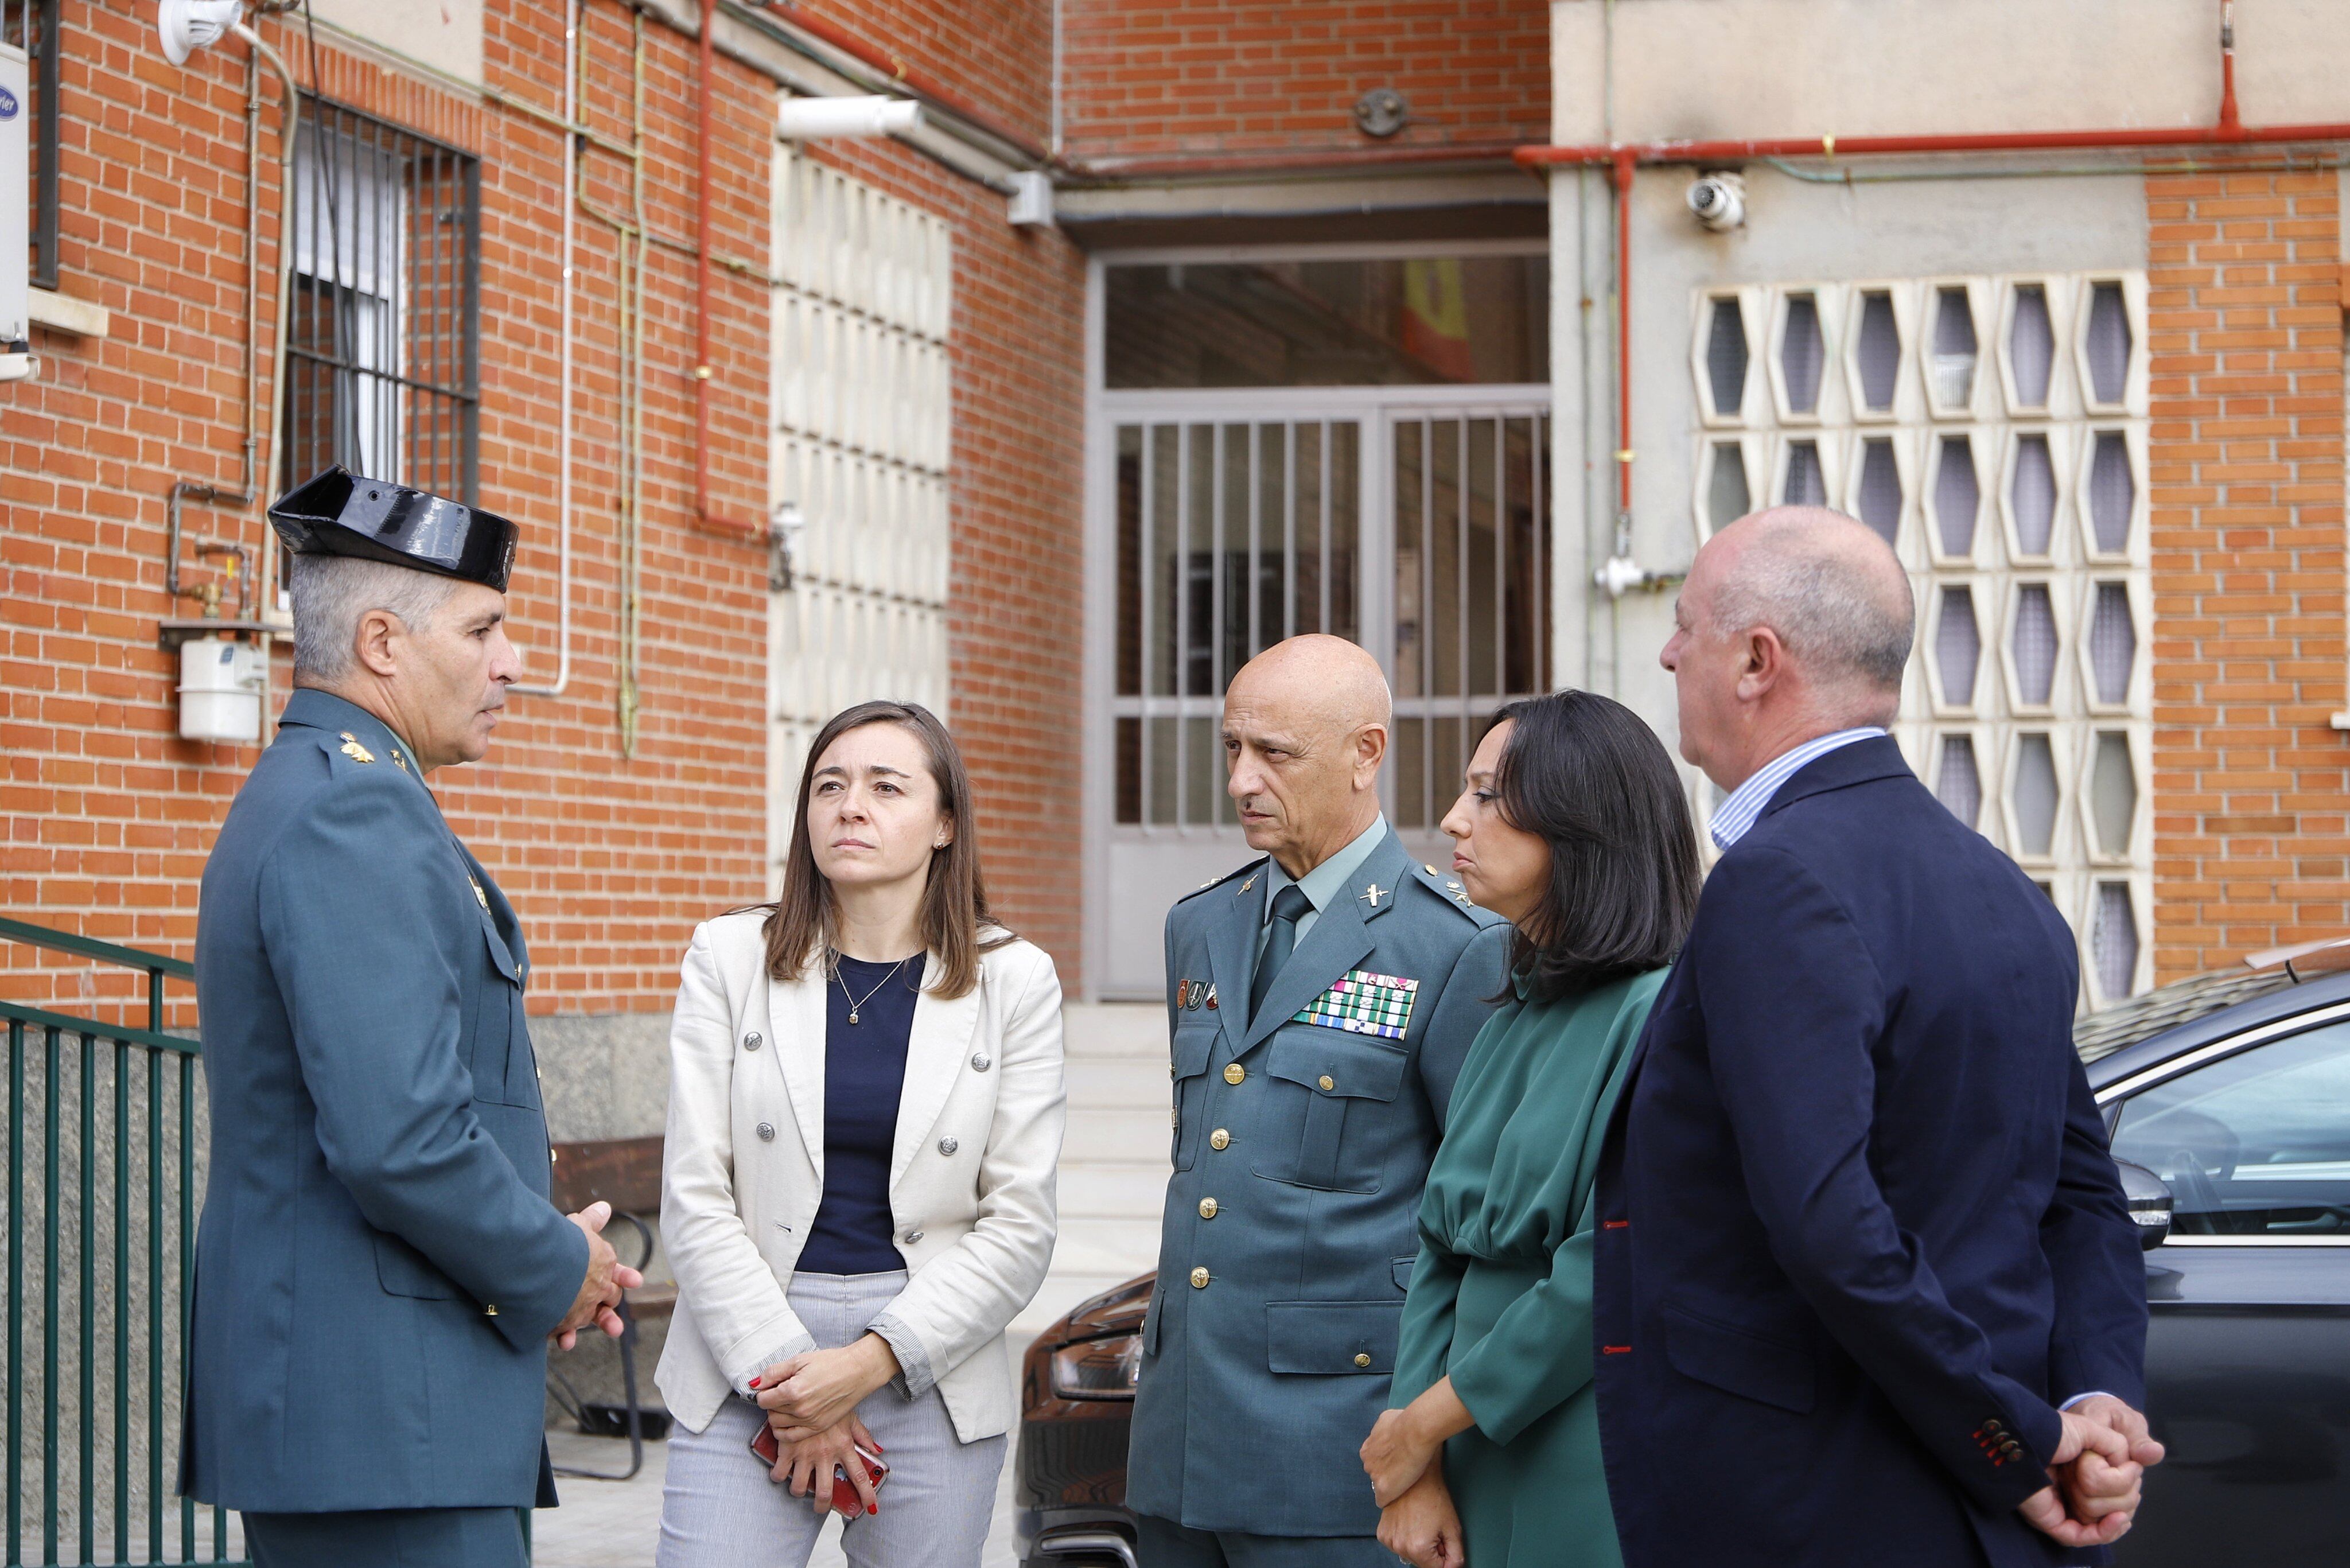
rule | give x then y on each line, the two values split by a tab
220	684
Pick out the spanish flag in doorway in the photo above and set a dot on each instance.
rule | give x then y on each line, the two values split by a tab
1436	318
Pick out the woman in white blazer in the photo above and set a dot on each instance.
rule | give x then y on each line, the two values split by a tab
865	1114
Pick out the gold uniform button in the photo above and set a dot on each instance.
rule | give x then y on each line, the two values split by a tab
1362	1358
490	1309
1219	1139
1200	1279
1235	1072
1207	1209
1328	1082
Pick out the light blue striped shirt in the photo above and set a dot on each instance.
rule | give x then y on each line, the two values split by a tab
1733	816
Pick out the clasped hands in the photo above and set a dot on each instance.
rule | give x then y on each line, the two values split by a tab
1417	1519
811	1403
2097	1474
598	1300
2100	1462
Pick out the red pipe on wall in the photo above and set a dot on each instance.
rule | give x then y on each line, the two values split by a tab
1625	164
702	507
2239	135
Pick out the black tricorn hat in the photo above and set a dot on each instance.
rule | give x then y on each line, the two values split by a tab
336	512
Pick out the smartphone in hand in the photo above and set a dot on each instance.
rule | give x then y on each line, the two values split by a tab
845	1500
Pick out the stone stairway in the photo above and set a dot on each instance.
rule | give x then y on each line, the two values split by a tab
1114	1163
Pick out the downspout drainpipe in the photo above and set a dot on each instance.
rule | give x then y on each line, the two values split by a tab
564	402
701	506
1623	168
2230	122
184	490
187	490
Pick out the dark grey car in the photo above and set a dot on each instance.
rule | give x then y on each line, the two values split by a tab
2244	1114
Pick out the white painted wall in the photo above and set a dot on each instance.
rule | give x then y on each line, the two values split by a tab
1850	68
443	33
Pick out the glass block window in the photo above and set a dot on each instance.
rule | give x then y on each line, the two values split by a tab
1993	428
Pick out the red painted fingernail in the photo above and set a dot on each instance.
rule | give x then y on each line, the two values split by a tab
754	1383
872	1508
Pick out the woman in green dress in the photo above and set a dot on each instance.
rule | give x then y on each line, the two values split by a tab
1574	825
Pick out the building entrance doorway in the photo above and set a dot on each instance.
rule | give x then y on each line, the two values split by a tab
1414	520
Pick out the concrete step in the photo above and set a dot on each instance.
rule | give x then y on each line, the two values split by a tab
1105	1246
1060	1292
1097	1189
1095	1081
1116	1136
1125	1030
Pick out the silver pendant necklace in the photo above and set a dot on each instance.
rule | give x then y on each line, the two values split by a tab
856	1003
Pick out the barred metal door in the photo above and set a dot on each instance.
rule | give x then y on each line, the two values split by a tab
1420	530
1472	562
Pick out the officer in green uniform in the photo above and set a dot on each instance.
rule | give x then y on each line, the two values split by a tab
1321	1001
379	1269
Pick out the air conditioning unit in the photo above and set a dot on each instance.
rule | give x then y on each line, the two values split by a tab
15	149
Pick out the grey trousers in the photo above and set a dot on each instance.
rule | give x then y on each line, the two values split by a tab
1163	1544
387	1538
720	1510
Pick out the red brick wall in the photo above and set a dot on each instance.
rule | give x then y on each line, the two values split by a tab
2251	818
1142	76
611	860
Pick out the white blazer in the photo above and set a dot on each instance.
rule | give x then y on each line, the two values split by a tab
971	1179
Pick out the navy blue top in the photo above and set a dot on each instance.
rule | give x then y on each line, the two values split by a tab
863	1072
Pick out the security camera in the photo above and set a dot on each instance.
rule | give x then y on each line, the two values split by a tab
1718	200
187	26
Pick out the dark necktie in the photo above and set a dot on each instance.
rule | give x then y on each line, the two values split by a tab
1289	905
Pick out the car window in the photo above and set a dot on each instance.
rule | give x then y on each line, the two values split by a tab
2253	1144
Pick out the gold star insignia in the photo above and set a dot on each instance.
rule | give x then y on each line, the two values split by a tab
353	750
398	762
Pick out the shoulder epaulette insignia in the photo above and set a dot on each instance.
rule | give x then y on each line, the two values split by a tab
1449	889
1248	871
353	750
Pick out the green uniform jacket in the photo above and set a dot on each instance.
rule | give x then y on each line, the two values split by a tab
379	1265
1300	1150
1501	1299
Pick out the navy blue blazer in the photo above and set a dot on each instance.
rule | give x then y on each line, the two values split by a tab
1858	1229
379	1266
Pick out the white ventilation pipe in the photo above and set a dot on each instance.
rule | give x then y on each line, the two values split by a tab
805	119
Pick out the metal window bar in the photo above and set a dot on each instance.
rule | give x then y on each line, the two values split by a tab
139	1327
1218	518
39	34
384	352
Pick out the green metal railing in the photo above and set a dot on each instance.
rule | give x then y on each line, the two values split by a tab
93	1298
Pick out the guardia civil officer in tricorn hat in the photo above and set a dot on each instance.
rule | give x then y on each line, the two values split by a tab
378	1269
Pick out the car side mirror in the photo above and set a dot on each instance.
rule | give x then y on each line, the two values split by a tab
2149	1204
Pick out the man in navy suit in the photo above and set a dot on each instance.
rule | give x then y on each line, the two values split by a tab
1861	1244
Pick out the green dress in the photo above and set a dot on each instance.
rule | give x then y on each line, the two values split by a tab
1501	1299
